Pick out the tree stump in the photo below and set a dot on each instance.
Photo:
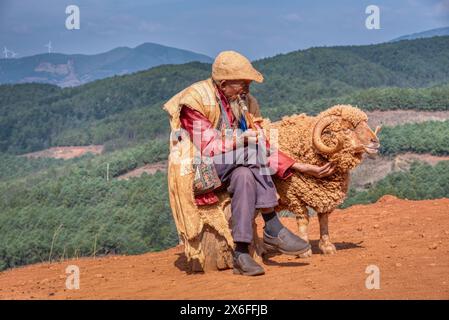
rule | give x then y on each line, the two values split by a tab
218	255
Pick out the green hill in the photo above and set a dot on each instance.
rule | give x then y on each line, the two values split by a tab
421	182
51	209
425	34
55	209
34	116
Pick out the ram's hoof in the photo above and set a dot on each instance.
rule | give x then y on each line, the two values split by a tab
306	254
327	247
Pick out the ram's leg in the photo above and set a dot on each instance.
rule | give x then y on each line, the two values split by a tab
325	244
302	219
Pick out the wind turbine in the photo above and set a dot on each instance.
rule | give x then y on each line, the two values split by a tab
48	45
5	52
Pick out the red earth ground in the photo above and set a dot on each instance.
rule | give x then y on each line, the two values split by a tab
407	240
151	168
65	152
397	117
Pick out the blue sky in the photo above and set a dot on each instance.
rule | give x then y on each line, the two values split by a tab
257	28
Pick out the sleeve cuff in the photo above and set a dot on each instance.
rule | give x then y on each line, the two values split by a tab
284	165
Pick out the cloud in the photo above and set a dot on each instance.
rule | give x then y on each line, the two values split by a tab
442	7
435	8
147	26
121	24
21	29
292	17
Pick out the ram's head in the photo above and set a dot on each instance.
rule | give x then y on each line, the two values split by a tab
342	132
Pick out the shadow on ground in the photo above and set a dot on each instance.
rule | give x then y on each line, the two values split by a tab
338	246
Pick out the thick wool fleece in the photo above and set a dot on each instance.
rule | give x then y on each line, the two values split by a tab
295	139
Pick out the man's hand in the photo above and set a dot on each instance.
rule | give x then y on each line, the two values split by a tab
251	136
315	171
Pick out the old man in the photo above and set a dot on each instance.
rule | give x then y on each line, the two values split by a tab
222	120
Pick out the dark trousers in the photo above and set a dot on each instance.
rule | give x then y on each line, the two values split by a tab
250	188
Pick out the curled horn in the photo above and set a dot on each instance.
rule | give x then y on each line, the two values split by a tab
317	132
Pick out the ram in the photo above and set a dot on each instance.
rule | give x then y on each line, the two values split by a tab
340	135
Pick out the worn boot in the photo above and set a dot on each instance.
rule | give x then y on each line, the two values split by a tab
286	242
278	238
245	265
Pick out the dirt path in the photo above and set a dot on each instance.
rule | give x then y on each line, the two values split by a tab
372	170
407	240
151	168
65	152
396	117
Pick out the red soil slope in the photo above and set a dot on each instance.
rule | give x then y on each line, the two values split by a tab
407	240
65	152
148	168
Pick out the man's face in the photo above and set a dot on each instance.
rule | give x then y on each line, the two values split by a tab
233	88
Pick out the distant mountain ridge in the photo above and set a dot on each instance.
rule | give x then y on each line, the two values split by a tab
66	70
122	110
425	34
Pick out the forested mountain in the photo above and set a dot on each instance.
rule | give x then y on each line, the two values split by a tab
55	209
305	75
127	109
74	69
425	34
